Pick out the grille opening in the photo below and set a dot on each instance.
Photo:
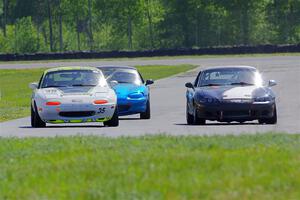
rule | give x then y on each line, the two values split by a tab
236	113
77	114
265	112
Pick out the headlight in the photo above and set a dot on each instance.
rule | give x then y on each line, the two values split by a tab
262	99
110	96
136	95
206	100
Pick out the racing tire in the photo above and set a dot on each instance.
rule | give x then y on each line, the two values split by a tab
197	120
189	117
147	113
36	121
114	121
272	120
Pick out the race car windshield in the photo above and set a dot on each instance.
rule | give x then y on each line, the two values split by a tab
125	76
73	78
230	76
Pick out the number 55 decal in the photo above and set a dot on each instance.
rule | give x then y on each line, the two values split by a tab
101	110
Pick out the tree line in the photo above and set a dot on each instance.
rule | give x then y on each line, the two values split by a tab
29	26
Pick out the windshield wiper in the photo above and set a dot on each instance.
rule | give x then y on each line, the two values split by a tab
49	86
88	85
241	83
211	84
123	82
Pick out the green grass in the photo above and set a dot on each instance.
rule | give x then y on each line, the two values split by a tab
15	93
160	167
155	58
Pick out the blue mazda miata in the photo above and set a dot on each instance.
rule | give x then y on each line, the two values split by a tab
131	89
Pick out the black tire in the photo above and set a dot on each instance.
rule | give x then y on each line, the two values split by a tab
197	120
147	113
189	117
36	121
114	121
272	120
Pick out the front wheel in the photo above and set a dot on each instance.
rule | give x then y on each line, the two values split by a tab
114	121
147	113
189	117
272	120
197	120
36	121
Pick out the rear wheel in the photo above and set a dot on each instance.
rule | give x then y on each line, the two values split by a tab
114	121
36	121
147	113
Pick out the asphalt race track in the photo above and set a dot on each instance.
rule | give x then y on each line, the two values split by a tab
168	102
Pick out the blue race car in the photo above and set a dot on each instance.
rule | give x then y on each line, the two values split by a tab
131	89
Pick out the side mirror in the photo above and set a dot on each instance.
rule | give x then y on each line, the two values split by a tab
113	83
272	83
33	85
149	82
189	85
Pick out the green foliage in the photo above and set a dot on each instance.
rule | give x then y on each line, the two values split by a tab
25	36
15	92
262	166
147	24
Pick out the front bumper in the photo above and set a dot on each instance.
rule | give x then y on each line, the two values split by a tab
226	112
127	106
76	113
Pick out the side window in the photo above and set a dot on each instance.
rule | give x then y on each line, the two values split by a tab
197	79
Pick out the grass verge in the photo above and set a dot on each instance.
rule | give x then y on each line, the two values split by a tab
15	93
161	167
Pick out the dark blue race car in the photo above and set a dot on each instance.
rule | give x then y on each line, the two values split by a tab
228	94
131	89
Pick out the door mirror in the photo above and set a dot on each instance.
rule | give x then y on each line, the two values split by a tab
272	83
189	85
149	82
113	83
33	85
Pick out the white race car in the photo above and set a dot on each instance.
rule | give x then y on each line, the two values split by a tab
73	95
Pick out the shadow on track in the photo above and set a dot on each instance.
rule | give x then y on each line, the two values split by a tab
218	124
67	126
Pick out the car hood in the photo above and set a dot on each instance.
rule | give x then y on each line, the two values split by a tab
66	91
232	92
125	88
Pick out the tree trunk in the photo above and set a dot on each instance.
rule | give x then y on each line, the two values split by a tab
50	25
38	36
91	40
5	9
78	33
150	26
129	29
61	42
197	29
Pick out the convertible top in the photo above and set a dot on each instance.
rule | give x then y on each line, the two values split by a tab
116	66
70	68
231	67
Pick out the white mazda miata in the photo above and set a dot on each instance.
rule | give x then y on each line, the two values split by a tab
73	95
